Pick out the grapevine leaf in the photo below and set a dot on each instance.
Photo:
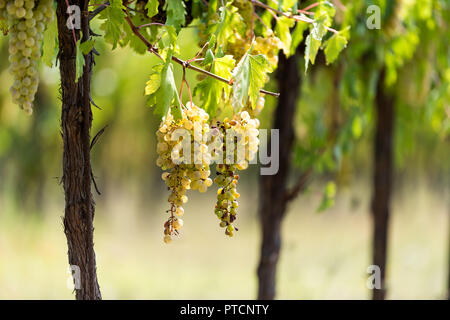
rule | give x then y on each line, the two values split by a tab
328	197
87	46
249	77
79	62
312	47
320	26
152	7
168	41
282	31
175	13
114	18
49	47
229	24
334	46
134	42
155	80
314	39
163	91
209	57
212	90
285	5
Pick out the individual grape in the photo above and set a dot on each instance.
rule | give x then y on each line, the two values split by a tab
27	20
167	238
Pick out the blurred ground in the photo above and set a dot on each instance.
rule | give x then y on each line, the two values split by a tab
324	255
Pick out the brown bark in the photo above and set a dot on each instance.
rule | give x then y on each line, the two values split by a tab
273	202
76	118
382	179
448	255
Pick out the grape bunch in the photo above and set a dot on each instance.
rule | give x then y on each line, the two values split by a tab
245	9
244	132
186	162
268	46
27	20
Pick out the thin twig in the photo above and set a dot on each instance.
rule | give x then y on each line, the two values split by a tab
300	186
97	136
95	184
151	24
315	4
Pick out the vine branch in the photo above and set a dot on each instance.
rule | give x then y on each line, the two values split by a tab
185	64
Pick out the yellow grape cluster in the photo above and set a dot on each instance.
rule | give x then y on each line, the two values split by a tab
243	131
186	161
27	20
268	46
245	9
186	165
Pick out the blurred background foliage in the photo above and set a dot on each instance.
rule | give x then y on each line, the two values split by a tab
325	255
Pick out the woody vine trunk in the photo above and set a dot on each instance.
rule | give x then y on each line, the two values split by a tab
76	118
272	206
382	180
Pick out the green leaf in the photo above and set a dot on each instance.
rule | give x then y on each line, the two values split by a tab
213	91
168	41
114	18
328	197
49	47
282	31
134	42
79	62
319	27
249	77
87	46
312	47
155	80
314	39
334	46
152	7
229	24
357	127
163	91
175	13
287	4
209	57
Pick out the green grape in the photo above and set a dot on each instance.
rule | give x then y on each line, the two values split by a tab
27	20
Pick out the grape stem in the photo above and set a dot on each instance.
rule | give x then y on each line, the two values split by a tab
185	64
